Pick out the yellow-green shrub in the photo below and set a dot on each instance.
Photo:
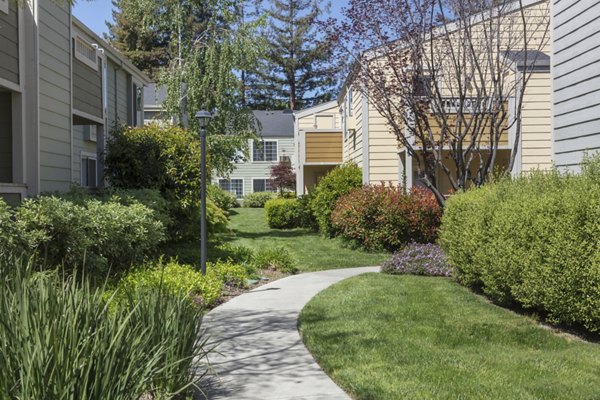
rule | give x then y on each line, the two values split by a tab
283	213
534	241
228	272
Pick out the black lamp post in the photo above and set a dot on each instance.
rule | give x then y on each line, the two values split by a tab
203	117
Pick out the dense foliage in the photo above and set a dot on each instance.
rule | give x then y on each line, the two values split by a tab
335	184
385	217
534	241
61	338
278	258
283	177
99	236
418	259
257	199
283	213
166	159
221	198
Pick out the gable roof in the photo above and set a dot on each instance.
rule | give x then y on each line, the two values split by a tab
275	123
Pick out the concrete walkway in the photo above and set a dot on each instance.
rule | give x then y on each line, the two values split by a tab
261	355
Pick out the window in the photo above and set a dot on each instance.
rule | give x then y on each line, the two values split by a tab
264	150
263	185
89	174
85	52
234	186
423	86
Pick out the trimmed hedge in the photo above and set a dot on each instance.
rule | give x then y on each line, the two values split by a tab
257	199
534	241
283	213
336	183
384	217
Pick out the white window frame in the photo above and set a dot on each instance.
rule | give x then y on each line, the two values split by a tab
77	38
4	6
233	179
265	161
273	189
92	156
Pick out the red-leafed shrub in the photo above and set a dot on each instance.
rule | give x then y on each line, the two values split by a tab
384	217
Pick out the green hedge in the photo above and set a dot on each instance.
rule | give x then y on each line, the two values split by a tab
283	213
257	199
534	241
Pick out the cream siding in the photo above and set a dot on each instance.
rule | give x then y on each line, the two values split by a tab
54	96
9	37
383	150
353	140
576	80
536	140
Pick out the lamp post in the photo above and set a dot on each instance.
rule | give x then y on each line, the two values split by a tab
203	117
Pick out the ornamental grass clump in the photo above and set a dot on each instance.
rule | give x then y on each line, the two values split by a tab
418	259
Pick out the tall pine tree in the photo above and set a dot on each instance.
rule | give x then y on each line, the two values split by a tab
296	71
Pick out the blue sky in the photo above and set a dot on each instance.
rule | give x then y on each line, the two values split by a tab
95	13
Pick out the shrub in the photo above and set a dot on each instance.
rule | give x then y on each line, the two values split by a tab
96	235
384	217
222	199
59	339
307	218
283	213
175	279
418	259
257	199
532	241
335	184
229	273
13	240
277	258
167	159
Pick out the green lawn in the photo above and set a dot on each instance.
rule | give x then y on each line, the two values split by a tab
405	337
312	251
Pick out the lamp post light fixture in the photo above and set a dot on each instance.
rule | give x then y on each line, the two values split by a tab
203	117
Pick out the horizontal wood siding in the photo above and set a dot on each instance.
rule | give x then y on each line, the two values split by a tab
353	142
323	147
87	88
6	175
576	80
249	169
9	38
536	135
383	150
54	96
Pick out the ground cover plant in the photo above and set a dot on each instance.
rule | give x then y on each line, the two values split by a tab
62	338
408	337
533	242
418	259
386	217
311	251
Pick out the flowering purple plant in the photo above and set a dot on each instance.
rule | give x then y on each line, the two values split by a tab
418	259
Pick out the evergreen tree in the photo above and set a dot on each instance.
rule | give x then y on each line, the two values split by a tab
296	71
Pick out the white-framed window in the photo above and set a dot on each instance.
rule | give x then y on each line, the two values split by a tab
264	151
234	186
263	185
4	6
85	52
89	170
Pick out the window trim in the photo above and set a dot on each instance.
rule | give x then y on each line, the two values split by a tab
273	189
229	191
81	57
88	155
265	161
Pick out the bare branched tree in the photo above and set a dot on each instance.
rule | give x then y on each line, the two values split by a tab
448	76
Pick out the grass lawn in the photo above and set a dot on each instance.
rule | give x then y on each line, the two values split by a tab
312	251
406	337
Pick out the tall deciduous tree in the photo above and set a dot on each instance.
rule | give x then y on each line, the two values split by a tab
297	70
448	76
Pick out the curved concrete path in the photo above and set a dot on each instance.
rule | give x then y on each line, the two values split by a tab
260	353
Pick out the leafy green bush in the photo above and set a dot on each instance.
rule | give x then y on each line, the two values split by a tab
97	235
335	184
229	273
257	199
277	258
13	241
384	217
61	339
283	213
174	278
167	159
534	241
222	199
